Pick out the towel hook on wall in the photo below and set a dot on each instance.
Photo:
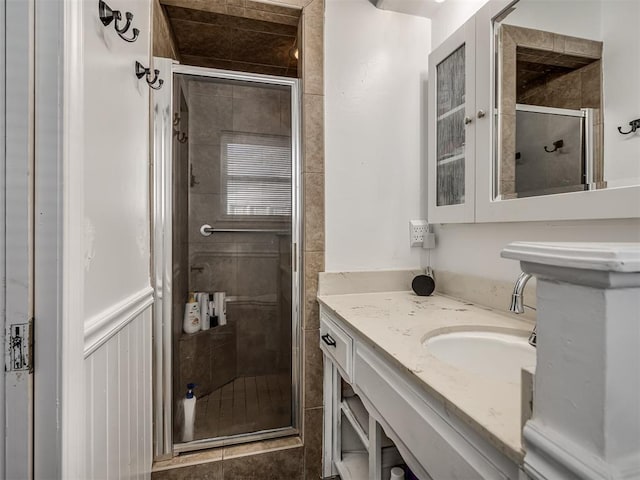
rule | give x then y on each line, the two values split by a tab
181	136
142	71
634	124
107	15
556	145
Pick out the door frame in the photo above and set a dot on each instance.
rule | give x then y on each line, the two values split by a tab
163	144
17	207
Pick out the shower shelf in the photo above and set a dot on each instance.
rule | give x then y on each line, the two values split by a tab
217	330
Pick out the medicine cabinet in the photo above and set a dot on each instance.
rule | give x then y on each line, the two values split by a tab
493	155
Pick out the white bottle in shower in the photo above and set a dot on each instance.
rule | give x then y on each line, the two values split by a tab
191	323
220	301
189	413
205	319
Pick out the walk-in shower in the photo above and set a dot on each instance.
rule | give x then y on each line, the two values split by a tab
227	224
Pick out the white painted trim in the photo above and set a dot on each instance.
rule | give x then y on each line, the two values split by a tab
611	257
3	242
162	206
72	374
552	455
48	187
523	107
101	327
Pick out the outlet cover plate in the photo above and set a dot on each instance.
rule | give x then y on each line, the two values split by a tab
417	231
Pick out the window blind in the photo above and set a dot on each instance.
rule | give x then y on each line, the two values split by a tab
256	174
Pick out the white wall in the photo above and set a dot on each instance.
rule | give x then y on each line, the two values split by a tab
106	336
559	17
620	20
451	15
475	249
116	169
375	72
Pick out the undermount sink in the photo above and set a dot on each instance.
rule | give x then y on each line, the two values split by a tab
497	355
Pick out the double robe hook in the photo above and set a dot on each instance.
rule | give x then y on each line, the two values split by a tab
142	71
180	136
634	124
107	15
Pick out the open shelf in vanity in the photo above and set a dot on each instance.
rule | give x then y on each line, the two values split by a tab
359	447
358	450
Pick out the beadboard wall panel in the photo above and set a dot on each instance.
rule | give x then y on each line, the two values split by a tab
117	402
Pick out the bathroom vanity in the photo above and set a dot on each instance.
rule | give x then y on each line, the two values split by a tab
386	387
437	378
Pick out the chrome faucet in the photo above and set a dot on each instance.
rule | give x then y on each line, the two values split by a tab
517	302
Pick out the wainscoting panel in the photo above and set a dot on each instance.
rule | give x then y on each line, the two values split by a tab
119	420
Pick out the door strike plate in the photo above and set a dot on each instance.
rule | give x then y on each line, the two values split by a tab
17	350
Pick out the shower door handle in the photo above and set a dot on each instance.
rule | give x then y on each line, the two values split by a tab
328	340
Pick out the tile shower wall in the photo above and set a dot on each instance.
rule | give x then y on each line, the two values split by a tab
311	38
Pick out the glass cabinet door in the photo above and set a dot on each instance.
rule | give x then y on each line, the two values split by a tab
450	129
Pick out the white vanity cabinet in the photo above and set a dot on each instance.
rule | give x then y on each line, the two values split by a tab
378	415
355	445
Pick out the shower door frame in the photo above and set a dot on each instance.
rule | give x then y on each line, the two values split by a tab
162	277
587	134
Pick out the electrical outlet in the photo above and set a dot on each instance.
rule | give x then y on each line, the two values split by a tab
417	231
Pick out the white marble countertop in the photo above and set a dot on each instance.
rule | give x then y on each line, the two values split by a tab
398	322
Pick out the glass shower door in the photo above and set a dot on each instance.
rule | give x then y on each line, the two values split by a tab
234	240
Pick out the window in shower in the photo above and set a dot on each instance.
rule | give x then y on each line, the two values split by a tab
256	175
242	164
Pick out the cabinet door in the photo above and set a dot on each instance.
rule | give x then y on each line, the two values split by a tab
451	128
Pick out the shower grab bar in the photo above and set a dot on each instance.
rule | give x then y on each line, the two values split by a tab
206	230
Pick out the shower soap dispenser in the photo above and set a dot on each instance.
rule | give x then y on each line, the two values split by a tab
189	411
191	323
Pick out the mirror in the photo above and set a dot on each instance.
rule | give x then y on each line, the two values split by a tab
567	92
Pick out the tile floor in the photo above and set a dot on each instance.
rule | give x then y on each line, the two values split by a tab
247	404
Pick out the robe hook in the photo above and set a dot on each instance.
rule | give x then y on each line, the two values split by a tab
142	71
108	15
634	124
180	136
556	145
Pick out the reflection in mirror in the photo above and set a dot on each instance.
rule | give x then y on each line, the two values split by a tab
567	75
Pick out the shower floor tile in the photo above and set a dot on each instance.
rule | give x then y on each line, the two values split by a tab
248	404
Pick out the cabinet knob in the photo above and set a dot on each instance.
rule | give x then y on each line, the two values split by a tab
468	120
481	113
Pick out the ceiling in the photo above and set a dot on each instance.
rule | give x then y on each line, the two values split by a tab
421	8
536	67
255	38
